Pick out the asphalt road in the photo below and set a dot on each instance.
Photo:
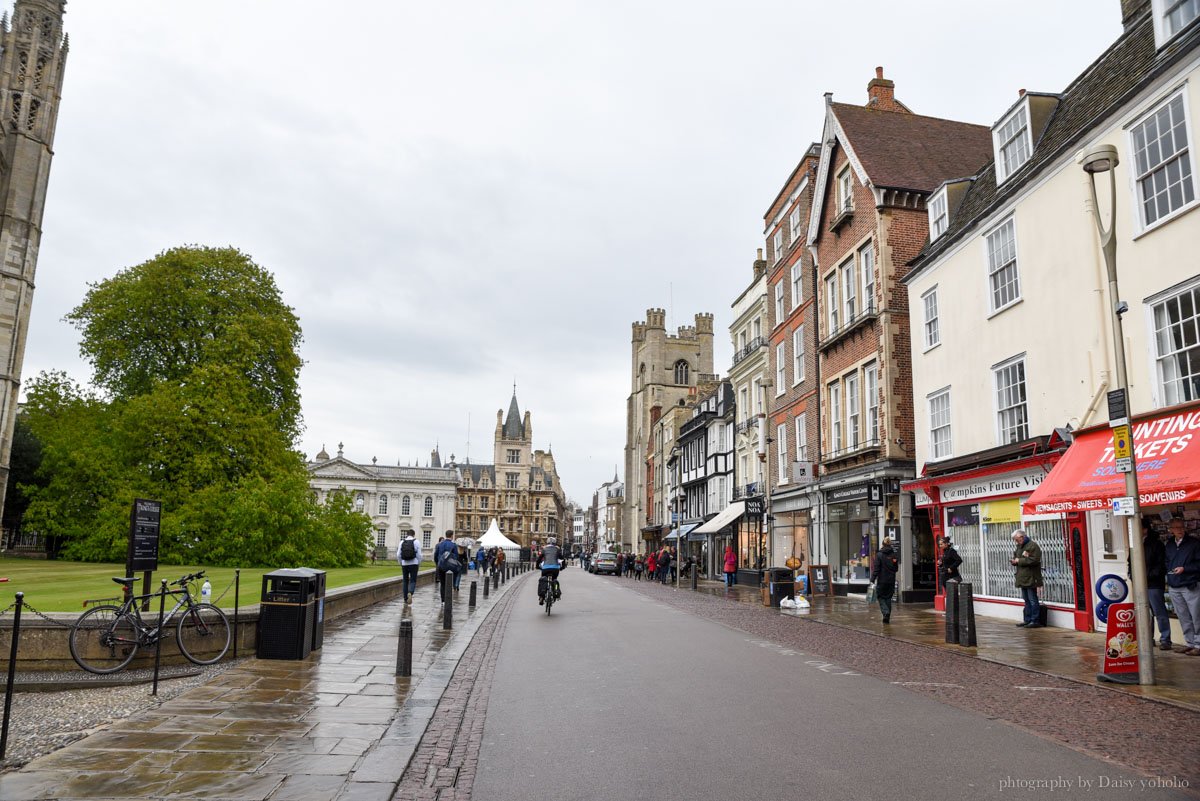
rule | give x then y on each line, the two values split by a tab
618	696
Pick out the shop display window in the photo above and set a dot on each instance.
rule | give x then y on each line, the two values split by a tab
852	540
986	549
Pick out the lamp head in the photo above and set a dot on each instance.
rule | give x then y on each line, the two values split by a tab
1100	158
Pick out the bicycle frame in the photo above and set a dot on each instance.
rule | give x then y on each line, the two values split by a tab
146	634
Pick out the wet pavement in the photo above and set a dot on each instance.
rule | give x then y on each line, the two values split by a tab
1064	653
337	726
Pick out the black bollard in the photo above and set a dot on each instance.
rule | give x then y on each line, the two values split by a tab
404	649
237	579
471	602
495	579
448	603
12	670
966	616
694	572
486	585
951	588
162	608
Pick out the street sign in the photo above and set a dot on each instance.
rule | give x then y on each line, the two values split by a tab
1123	506
1124	464
143	535
1118	408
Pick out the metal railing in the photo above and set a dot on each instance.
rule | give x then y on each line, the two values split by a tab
751	346
851	450
858	318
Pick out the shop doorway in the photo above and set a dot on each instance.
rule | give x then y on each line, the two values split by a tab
924	559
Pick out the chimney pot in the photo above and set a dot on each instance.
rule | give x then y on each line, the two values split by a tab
1020	93
879	72
760	254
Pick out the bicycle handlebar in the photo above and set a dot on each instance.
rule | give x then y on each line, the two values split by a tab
188	578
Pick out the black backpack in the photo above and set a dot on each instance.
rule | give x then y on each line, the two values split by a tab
408	549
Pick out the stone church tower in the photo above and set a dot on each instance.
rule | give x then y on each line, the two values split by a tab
666	369
33	53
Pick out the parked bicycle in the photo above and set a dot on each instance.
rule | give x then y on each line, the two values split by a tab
106	638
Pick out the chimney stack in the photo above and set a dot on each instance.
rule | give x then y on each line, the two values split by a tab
882	93
1131	12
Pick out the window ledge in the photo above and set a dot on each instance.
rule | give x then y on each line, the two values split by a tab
934	346
1005	308
1179	212
844	216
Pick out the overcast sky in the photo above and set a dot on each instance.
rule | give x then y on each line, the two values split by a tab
456	195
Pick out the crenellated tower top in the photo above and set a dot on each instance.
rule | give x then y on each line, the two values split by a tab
33	53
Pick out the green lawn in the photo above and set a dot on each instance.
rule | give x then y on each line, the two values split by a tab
63	586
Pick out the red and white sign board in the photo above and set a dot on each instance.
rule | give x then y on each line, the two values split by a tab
1120	641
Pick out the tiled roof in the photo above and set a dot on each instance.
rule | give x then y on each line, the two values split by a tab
513	427
908	151
1104	87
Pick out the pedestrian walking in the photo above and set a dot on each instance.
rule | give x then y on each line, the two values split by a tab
1156	583
441	551
480	555
664	565
883	573
948	568
1183	582
651	566
639	565
409	557
1027	559
730	566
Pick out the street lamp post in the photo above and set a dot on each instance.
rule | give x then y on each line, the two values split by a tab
1103	159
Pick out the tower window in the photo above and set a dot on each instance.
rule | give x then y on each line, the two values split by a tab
681	372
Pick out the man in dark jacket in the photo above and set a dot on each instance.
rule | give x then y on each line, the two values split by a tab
441	556
1156	582
1183	582
883	573
948	569
1027	559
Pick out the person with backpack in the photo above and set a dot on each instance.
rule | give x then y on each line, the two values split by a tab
409	557
480	555
444	550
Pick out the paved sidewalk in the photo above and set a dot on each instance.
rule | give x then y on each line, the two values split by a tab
1072	655
337	726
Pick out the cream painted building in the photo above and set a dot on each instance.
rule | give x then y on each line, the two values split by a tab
397	499
1012	336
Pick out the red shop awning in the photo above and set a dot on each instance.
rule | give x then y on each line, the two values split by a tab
1167	451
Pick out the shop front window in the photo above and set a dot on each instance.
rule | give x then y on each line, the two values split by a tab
987	547
852	540
751	554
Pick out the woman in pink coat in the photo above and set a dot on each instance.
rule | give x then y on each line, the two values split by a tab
730	566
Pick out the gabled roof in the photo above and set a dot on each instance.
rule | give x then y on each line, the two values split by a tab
1108	84
909	151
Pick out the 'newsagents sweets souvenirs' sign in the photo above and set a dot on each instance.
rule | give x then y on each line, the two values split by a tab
1167	451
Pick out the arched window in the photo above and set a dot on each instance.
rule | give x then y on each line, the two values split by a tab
406	506
383	504
428	506
681	372
360	502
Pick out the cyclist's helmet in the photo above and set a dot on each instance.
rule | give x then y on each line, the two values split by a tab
551	541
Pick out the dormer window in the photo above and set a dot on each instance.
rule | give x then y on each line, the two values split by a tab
1172	16
1012	142
939	219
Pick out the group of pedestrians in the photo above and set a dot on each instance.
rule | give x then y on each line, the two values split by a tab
658	565
450	561
489	560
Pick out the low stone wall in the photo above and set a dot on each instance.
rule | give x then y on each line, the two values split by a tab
43	644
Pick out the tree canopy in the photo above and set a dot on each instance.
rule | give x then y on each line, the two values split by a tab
196	403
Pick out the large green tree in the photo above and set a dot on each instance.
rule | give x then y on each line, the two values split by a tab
196	404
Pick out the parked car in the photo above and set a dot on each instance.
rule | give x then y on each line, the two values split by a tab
605	563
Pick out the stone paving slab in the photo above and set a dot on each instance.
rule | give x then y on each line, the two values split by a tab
337	726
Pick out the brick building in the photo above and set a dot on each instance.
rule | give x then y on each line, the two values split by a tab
791	320
879	164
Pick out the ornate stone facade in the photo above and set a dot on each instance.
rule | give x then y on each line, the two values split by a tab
520	488
397	499
33	53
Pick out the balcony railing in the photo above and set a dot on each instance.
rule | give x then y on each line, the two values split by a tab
858	319
751	346
864	446
751	490
746	425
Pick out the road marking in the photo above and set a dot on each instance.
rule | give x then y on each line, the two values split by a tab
825	667
926	684
1030	687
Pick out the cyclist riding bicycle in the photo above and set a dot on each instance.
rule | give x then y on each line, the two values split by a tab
550	561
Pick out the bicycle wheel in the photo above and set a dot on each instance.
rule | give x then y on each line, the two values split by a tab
203	634
549	599
103	640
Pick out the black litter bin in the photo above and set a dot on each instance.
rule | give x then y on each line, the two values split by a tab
318	629
782	583
286	614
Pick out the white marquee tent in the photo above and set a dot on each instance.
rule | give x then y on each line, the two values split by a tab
494	538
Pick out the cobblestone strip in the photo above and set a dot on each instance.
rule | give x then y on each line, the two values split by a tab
1111	726
443	767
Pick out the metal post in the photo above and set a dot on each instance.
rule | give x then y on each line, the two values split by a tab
471	602
12	670
404	649
495	579
237	579
448	603
1107	162
951	588
966	615
162	605
486	585
695	570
